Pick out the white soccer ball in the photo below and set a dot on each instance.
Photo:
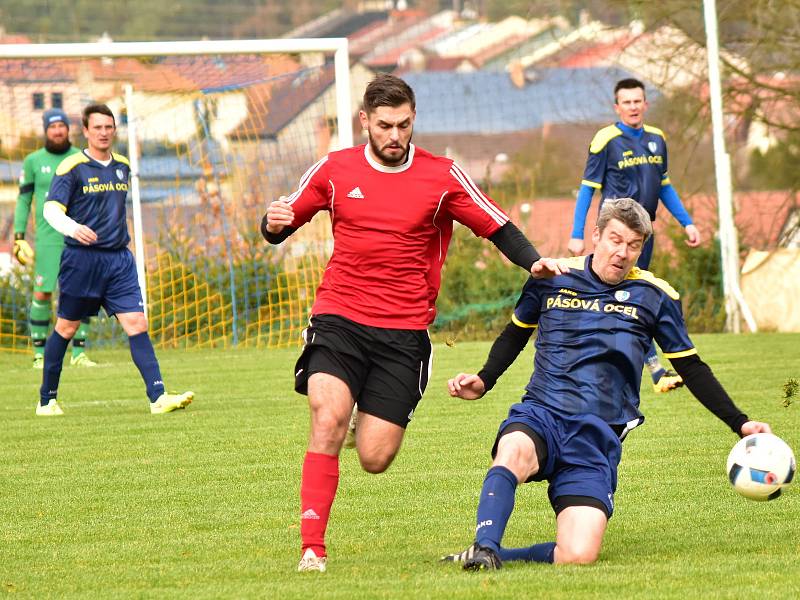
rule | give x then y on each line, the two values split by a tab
761	466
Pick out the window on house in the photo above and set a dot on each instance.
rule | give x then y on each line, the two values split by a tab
57	100
38	101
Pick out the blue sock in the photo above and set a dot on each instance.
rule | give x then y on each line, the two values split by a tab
144	357
542	553
54	351
495	506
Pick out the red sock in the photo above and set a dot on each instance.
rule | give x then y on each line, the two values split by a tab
317	491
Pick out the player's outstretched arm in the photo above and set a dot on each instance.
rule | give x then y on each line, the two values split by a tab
502	354
466	386
545	268
513	244
751	427
708	390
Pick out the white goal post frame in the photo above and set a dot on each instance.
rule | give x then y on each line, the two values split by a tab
337	46
735	304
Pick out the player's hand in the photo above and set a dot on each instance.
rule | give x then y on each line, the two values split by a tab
85	235
466	386
545	268
23	252
693	238
751	427
279	215
576	246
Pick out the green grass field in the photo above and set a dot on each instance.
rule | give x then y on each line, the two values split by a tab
111	502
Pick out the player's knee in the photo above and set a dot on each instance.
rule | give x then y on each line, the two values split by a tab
327	429
576	553
517	453
67	329
375	463
133	323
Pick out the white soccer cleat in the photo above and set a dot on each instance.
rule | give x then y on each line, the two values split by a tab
312	562
51	409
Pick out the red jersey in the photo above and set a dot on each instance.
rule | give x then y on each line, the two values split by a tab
391	229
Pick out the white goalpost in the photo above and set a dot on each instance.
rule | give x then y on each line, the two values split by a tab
109	50
735	303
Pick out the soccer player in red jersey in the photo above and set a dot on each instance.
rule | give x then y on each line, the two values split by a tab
392	207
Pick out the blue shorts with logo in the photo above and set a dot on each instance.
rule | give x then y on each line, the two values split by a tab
583	452
93	277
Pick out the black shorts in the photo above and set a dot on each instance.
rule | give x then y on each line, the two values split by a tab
387	370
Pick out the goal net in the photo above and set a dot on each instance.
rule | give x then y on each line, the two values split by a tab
214	131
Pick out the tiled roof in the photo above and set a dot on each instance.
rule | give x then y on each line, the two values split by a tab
488	102
287	98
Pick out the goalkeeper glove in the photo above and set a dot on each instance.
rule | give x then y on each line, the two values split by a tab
22	249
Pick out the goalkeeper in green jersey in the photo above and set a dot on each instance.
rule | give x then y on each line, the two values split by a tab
34	182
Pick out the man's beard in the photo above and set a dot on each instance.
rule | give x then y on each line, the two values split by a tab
56	147
388	160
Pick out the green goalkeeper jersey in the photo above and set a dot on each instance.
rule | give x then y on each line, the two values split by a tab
38	170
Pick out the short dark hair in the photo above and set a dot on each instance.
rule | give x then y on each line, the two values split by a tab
97	108
388	90
627	84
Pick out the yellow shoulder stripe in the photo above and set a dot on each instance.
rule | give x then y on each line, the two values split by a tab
58	204
576	262
519	323
656	130
602	137
69	163
120	158
681	354
647	276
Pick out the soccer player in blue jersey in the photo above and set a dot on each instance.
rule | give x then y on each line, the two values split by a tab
595	324
86	203
629	160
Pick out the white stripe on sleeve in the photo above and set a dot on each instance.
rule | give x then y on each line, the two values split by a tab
477	196
305	179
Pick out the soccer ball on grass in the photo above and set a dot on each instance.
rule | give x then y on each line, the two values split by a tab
761	466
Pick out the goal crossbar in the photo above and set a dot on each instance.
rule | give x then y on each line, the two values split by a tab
106	49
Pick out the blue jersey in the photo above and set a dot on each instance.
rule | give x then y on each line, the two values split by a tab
94	195
628	163
593	338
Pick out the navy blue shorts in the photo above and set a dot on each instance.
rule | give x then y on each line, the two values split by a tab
583	452
90	278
